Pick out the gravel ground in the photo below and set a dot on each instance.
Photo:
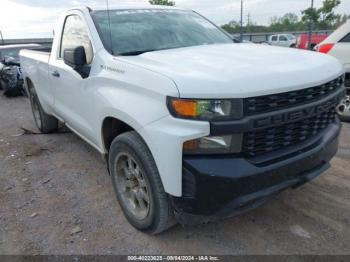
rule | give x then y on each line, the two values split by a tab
56	198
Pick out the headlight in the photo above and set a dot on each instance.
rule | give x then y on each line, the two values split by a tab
206	109
214	145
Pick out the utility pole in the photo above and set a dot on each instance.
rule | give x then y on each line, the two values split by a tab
310	27
2	38
241	21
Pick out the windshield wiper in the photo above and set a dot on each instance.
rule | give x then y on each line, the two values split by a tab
131	53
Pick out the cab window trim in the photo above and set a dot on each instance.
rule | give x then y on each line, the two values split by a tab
59	55
345	39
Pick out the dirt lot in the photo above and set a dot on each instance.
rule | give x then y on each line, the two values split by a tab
56	198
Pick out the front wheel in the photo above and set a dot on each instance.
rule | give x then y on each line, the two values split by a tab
45	123
138	186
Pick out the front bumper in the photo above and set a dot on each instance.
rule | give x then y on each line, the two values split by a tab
223	186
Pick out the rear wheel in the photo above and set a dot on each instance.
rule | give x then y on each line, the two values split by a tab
343	109
45	123
138	186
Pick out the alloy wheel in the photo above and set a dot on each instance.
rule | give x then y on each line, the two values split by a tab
132	186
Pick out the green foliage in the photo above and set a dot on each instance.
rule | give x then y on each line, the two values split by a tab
322	18
310	15
341	19
162	2
288	22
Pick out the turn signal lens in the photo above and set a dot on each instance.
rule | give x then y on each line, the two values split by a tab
206	109
185	108
191	146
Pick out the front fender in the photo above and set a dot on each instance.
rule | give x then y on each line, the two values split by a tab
165	139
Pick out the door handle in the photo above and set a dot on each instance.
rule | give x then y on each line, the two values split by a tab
55	74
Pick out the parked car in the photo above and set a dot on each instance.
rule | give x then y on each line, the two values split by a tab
194	127
303	40
11	78
284	40
237	39
13	50
338	45
10	73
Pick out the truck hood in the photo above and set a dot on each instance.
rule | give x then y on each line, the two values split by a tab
239	70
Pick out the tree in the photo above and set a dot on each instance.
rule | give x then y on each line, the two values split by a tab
327	15
324	17
311	15
288	22
162	2
341	20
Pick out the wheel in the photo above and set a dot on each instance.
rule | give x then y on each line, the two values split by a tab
138	186
343	109
45	123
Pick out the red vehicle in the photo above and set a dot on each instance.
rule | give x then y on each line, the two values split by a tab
303	40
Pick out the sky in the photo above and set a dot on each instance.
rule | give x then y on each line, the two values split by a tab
37	18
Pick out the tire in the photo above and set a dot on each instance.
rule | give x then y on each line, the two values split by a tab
137	181
343	109
44	122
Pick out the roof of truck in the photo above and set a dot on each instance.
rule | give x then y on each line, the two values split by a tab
131	6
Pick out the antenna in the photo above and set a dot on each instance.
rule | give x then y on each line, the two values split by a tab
110	29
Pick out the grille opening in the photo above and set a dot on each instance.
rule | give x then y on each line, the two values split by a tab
347	80
279	137
269	103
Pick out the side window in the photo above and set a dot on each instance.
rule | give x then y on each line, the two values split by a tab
75	34
283	38
274	38
346	39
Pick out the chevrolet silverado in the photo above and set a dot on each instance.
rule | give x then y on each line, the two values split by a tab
194	127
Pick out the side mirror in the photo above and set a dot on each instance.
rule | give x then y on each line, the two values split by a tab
75	57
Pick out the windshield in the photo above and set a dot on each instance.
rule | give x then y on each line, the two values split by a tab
291	37
134	32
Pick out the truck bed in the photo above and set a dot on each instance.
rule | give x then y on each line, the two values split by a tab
42	55
35	63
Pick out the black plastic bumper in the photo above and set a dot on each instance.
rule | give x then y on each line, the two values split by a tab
223	186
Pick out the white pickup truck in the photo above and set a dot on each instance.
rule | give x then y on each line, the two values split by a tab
194	127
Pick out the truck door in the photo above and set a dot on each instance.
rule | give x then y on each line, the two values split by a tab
70	87
274	40
283	41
